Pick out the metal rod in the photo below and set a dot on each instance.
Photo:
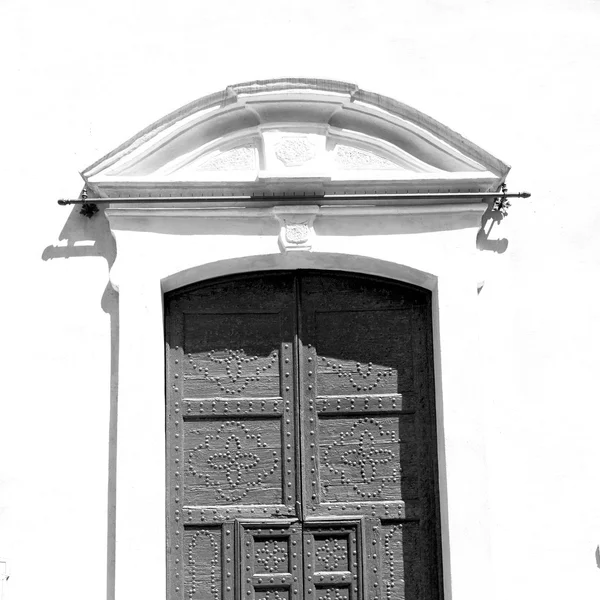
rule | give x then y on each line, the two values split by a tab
203	199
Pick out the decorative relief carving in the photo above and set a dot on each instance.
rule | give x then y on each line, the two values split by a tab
271	555
296	227
297	233
348	157
193	567
371	375
241	468
237	159
365	459
236	362
295	151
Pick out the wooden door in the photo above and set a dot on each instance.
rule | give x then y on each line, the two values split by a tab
301	440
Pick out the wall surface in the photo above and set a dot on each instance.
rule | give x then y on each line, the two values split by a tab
517	78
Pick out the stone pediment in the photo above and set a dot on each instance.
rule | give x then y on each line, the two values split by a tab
294	136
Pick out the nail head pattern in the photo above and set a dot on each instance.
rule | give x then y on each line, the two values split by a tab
271	556
240	466
240	372
194	569
331	554
364	459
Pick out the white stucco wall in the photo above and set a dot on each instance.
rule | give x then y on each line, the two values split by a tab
518	78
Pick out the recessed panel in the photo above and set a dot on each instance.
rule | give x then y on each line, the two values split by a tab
271	560
202	560
271	555
401	561
233	462
332	553
367	458
333	560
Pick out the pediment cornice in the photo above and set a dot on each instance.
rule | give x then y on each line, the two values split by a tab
294	136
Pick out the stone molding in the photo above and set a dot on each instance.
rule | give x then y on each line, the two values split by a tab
289	134
334	91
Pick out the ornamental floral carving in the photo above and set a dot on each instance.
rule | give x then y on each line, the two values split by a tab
237	159
294	151
297	233
348	157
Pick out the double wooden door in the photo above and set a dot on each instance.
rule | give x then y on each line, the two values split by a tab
301	457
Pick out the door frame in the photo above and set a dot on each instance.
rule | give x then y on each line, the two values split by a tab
155	255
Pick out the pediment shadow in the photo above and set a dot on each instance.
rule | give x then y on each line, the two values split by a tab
489	220
82	237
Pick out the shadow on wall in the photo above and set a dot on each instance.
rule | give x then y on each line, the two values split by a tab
490	218
82	237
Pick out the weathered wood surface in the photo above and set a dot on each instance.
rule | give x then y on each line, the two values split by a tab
306	396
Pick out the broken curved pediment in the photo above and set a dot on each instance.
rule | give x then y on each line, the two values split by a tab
294	136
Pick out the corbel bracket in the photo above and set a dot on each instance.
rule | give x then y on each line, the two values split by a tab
296	227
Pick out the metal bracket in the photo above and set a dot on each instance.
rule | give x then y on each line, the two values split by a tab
88	209
4	570
502	203
4	577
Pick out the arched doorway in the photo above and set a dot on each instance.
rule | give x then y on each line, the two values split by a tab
301	443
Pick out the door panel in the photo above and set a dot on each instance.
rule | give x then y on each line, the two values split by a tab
270	560
400	558
333	560
231	430
359	457
203	574
368	428
301	440
234	462
232	355
356	353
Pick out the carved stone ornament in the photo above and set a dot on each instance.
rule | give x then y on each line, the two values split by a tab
295	151
296	226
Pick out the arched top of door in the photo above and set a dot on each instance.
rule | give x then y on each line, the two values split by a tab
294	137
